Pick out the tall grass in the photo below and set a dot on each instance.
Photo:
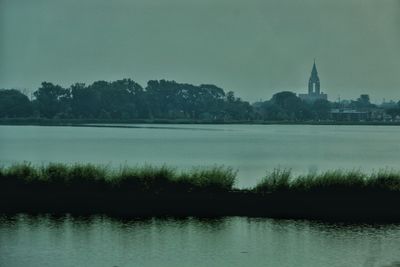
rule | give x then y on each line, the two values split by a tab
277	180
163	179
330	181
147	178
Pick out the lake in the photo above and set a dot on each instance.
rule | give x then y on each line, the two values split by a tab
65	240
234	241
251	149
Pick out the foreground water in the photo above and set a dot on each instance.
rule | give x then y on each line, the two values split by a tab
252	149
47	240
234	241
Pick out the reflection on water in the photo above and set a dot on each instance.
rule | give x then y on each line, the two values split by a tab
49	240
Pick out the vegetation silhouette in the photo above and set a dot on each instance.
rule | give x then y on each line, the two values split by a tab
164	101
125	99
165	191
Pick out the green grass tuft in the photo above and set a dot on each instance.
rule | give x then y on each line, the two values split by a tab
329	181
277	180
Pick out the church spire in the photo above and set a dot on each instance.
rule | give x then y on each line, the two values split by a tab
313	83
314	72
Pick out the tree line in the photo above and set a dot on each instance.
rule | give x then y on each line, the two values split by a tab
161	99
126	99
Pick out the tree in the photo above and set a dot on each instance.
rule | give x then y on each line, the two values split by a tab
236	109
126	99
14	104
362	103
292	107
271	111
52	100
162	97
321	109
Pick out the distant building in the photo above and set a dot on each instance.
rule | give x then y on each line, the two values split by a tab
314	88
345	114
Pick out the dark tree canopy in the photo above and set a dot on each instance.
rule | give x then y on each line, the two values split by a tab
321	109
14	104
286	106
52	100
126	99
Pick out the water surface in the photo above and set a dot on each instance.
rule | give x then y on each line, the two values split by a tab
234	241
47	240
251	149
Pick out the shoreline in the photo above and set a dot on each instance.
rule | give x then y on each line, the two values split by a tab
86	122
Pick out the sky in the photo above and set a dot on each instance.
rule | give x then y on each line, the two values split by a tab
254	47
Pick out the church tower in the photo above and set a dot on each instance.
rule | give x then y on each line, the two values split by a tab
313	82
314	89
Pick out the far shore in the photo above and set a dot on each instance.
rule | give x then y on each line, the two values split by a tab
84	122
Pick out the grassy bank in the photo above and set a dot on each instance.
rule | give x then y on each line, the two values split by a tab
147	190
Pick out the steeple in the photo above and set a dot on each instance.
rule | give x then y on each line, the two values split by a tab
313	83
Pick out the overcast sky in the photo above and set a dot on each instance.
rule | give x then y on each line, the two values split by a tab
253	47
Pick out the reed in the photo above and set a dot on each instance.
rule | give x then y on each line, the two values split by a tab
150	190
281	180
149	179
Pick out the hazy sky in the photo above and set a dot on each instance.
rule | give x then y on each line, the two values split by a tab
253	47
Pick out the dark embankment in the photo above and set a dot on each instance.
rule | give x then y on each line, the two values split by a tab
159	191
